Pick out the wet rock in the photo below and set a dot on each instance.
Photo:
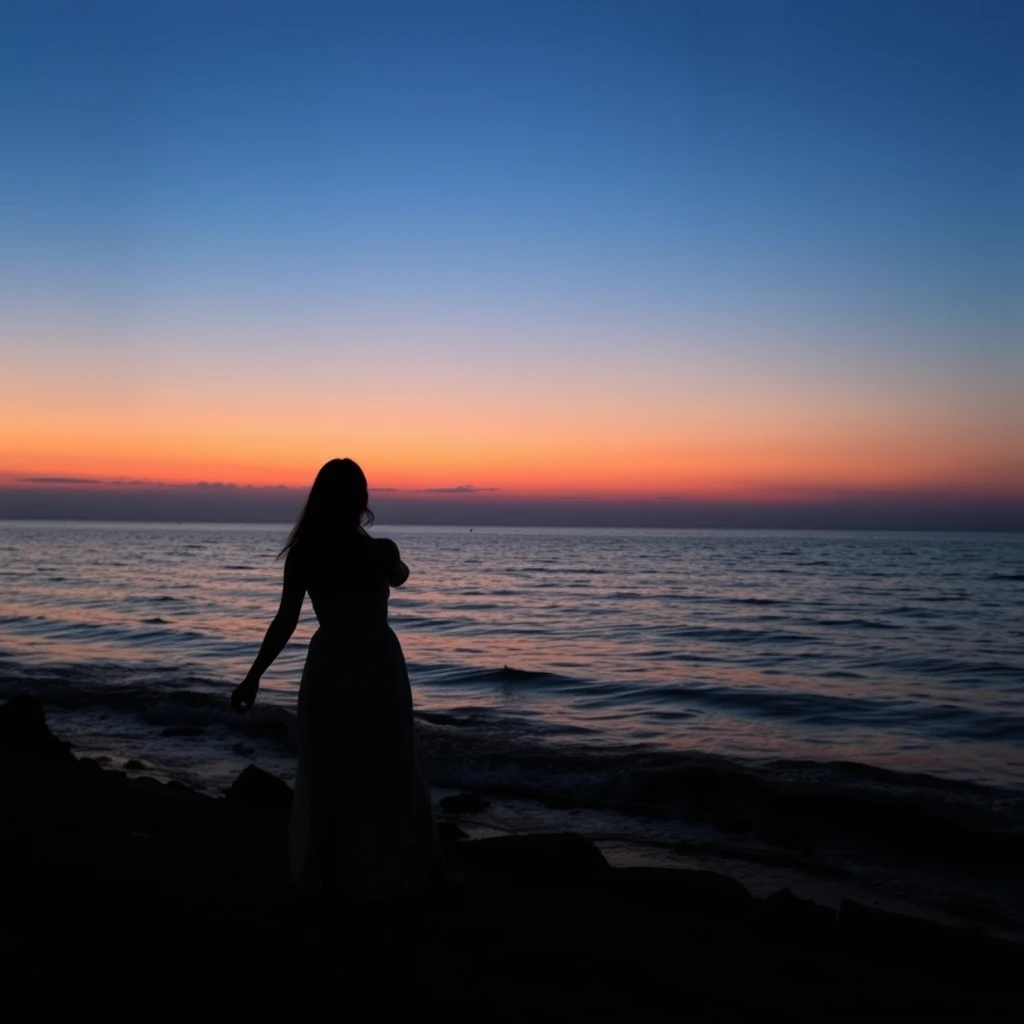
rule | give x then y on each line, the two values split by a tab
696	891
23	730
804	919
555	859
260	789
770	858
468	803
182	730
707	787
133	764
970	908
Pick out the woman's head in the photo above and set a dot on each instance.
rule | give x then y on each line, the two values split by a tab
338	502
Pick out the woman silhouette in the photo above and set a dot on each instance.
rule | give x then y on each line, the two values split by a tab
361	824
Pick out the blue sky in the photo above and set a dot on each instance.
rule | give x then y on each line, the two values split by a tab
860	159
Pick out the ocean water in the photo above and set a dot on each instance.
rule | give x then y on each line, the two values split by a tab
583	678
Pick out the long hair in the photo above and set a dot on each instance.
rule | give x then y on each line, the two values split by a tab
338	503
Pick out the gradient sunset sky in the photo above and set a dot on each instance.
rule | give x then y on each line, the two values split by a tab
722	251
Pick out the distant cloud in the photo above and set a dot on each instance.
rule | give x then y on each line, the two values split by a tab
219	486
206	485
57	480
460	489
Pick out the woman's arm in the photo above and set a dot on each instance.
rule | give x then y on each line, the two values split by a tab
278	634
396	571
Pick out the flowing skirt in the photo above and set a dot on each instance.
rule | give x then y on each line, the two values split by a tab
361	823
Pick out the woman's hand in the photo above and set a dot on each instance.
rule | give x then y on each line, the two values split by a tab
244	695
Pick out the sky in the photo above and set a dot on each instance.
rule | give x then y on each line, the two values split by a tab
513	256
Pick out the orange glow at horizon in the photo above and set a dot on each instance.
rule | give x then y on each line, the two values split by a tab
528	468
599	427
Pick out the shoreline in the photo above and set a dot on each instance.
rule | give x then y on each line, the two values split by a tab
125	894
901	852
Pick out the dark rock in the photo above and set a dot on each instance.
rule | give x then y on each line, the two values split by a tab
786	838
23	729
734	826
697	891
182	730
133	764
561	803
558	858
465	802
449	833
90	764
879	929
899	824
901	937
797	917
260	789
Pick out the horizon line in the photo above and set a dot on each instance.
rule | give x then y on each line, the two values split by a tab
255	524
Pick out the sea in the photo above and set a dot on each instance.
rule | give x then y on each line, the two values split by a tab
820	711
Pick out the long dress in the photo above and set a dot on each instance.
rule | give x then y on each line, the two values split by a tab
361	823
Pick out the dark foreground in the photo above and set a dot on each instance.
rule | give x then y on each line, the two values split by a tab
126	896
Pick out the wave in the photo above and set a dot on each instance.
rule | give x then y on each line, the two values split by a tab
856	623
820	709
161	698
929	815
732	635
454	675
498	753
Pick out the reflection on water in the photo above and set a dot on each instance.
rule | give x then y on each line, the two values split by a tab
902	650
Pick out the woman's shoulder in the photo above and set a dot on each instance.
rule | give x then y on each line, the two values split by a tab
385	550
390	561
374	550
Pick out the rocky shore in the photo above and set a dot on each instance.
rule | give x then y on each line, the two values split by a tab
123	895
